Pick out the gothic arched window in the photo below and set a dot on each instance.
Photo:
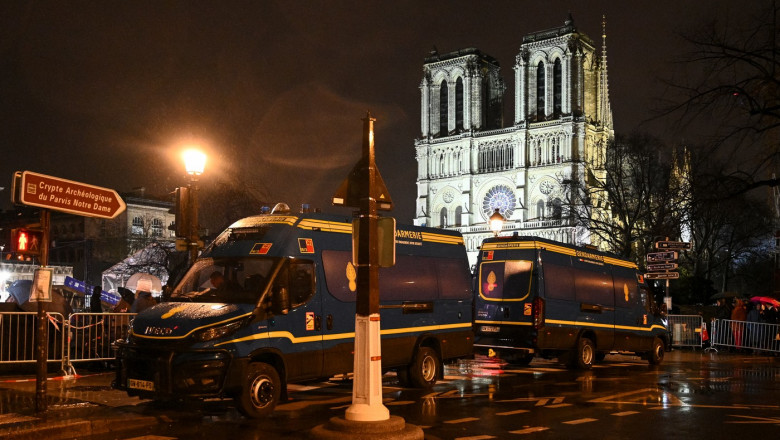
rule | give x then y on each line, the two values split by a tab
557	87
443	218
459	104
540	209
458	212
540	90
443	104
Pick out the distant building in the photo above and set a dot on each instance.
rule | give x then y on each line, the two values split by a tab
469	165
91	245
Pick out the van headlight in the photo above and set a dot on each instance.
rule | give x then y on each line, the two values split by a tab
216	332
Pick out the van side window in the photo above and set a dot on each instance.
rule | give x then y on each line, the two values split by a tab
301	276
646	299
454	281
594	287
558	281
411	277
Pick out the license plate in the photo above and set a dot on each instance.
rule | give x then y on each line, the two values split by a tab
490	329
137	384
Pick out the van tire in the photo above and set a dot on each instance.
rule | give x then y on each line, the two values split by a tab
424	369
656	355
260	392
584	355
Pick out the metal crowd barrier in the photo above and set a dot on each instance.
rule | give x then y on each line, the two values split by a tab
79	338
755	336
17	337
686	330
91	335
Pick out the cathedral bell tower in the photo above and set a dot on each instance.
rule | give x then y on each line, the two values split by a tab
469	164
461	91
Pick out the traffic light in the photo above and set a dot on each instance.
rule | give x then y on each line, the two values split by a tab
27	241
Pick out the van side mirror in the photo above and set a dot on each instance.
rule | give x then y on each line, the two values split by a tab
663	309
280	304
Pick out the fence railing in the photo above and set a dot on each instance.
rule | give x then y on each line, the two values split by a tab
79	338
17	337
686	330
756	336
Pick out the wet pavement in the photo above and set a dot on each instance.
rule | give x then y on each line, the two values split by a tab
692	394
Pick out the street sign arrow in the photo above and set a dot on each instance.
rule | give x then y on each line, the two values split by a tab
673	245
661	257
68	196
662	276
353	188
661	267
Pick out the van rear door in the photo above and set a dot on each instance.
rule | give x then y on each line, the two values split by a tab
504	299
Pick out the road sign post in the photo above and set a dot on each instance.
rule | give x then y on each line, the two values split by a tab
665	262
54	193
365	189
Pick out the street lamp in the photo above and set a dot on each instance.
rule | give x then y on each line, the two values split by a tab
496	222
194	164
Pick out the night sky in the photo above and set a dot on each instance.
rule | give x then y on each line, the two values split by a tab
107	93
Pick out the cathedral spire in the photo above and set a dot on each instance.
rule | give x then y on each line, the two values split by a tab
606	116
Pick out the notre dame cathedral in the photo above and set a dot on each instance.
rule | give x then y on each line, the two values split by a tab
469	164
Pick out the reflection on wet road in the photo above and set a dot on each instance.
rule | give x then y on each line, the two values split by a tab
691	395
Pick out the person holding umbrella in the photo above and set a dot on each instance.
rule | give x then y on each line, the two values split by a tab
95	306
143	296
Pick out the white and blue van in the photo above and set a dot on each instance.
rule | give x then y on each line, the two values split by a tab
540	297
285	313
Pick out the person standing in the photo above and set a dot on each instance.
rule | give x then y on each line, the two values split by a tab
738	316
143	297
753	318
95	306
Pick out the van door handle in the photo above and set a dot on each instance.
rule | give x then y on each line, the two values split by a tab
593	308
317	322
329	322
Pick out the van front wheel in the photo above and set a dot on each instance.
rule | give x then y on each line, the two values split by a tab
260	392
424	369
586	352
656	355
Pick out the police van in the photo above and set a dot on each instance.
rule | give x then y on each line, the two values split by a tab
272	301
539	297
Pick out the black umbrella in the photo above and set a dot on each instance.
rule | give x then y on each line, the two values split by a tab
725	295
20	291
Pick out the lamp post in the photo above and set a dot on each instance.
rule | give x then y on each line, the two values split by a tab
194	164
496	222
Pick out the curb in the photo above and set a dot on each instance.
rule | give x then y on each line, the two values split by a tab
76	429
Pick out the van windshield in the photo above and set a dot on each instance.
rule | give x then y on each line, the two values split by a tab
235	280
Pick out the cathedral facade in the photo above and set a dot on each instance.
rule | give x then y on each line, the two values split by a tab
470	163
